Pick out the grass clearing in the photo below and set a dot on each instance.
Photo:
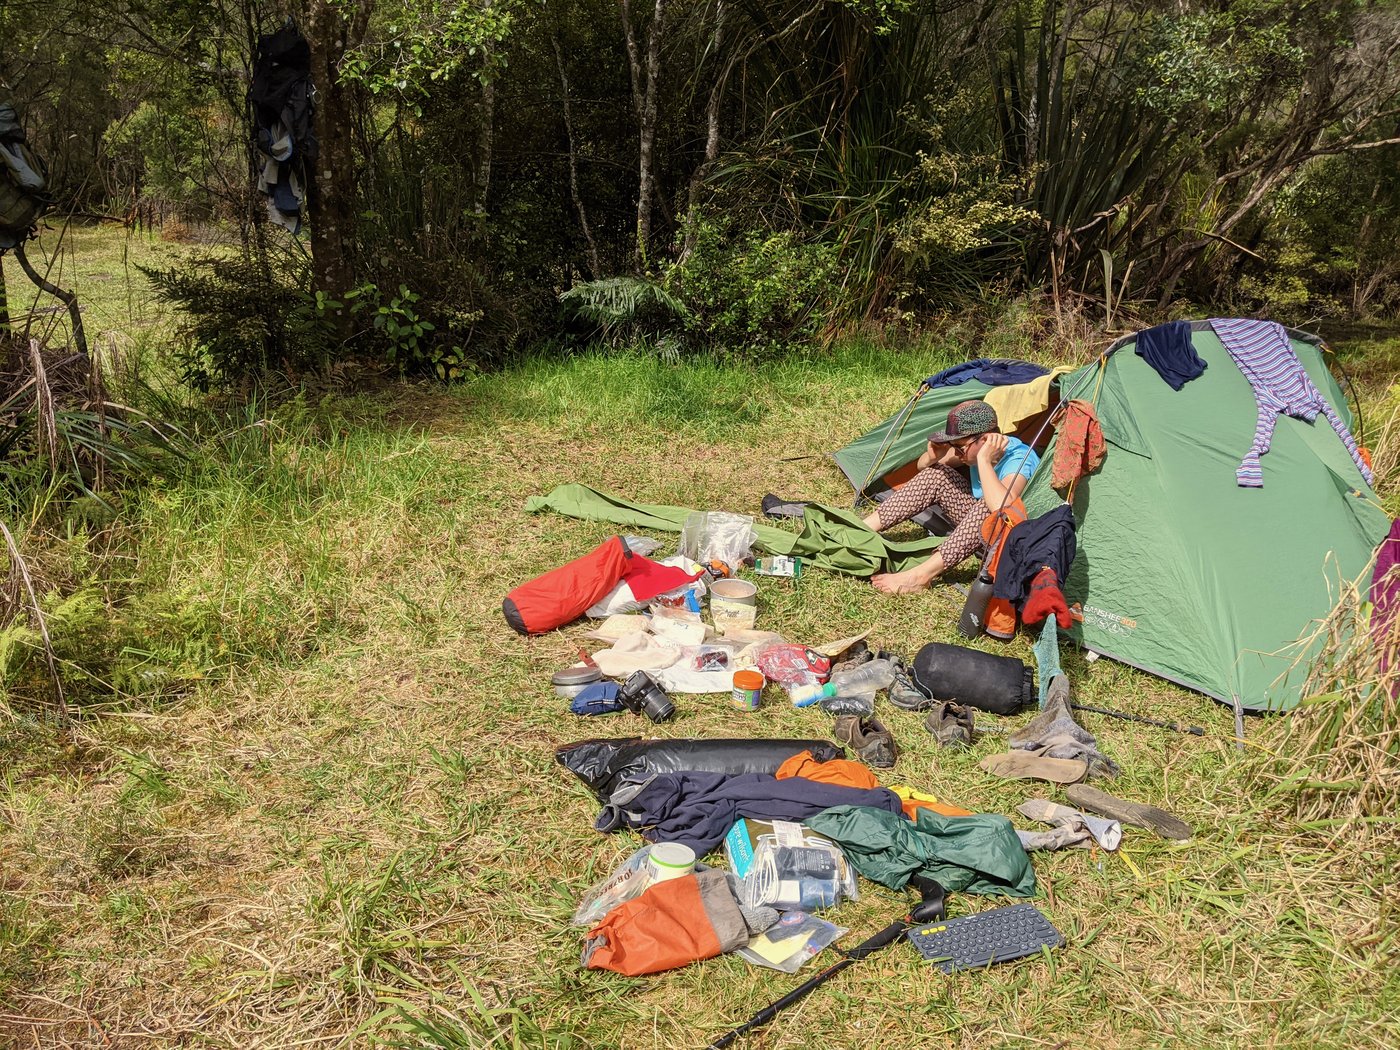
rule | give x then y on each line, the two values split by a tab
322	806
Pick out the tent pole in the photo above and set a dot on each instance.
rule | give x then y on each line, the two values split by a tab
890	435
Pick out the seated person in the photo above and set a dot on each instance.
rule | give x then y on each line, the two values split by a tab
1000	468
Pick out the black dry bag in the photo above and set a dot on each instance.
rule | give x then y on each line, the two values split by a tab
1002	685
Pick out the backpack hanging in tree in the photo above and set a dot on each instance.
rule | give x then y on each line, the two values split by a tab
281	96
23	181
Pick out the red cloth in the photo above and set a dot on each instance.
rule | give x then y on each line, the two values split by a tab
1079	448
649	578
1046	598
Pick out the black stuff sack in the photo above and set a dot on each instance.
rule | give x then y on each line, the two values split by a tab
602	764
1001	685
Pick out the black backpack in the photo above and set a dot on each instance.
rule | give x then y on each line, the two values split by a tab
23	181
281	91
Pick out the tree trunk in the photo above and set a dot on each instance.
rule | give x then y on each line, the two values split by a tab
646	119
484	145
487	132
712	111
333	29
595	269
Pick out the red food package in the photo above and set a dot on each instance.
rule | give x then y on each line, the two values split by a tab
793	664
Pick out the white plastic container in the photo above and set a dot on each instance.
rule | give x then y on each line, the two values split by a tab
671	860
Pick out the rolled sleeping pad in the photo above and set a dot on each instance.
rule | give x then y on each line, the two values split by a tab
1001	685
602	764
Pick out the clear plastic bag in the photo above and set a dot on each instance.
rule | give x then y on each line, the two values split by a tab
718	535
643	545
805	876
629	879
709	658
795	938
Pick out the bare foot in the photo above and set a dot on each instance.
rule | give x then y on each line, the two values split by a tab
906	582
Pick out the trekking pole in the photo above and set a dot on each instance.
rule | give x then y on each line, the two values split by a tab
1174	726
931	908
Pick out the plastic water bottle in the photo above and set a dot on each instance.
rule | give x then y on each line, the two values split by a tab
974	613
808	693
865	679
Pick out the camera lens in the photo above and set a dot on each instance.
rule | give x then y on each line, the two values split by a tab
641	695
657	706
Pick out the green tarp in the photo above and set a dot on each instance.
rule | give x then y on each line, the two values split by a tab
830	538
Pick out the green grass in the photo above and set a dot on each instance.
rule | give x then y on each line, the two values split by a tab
319	803
100	264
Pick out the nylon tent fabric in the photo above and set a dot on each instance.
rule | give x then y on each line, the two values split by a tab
977	854
1186	575
830	538
910	435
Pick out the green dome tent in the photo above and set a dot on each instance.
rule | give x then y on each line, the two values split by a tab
1181	572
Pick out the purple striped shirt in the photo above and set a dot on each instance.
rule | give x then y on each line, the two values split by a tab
1281	386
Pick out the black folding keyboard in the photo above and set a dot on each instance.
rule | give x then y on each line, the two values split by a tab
988	937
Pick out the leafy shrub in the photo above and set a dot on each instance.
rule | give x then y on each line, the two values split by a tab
1347	209
626	309
403	333
753	293
1284	287
242	317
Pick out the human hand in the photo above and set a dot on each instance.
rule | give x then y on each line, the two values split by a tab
991	447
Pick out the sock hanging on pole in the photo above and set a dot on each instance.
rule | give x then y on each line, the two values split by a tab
1047	656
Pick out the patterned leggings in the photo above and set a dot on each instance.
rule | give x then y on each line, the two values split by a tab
951	490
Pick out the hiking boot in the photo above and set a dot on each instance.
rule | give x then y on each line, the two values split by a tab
903	693
950	724
856	655
870	740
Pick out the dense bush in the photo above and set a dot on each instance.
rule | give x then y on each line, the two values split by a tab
753	293
244	315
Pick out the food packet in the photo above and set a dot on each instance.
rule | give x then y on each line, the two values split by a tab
795	938
629	879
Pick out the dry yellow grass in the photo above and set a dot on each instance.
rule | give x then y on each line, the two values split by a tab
350	830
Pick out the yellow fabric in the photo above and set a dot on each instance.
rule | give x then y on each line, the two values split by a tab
1022	400
915	800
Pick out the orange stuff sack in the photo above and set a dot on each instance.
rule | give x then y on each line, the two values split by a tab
674	923
842	772
1000	617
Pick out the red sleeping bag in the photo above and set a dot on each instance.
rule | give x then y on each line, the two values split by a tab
564	594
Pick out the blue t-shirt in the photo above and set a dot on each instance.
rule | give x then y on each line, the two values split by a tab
1019	458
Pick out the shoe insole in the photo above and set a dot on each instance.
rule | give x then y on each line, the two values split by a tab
1022	765
1138	814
